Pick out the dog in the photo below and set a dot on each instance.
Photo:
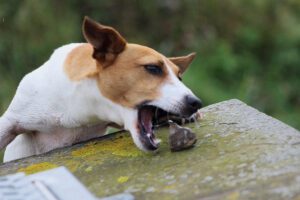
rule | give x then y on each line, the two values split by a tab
86	87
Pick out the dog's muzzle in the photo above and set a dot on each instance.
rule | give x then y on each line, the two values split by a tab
151	117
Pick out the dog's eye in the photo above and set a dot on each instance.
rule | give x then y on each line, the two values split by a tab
153	69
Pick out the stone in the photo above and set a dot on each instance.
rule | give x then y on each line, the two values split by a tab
180	138
241	153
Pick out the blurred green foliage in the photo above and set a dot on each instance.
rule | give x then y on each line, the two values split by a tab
246	49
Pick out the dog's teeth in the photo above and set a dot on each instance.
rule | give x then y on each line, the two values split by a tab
157	141
148	135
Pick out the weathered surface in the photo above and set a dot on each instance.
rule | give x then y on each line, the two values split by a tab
240	154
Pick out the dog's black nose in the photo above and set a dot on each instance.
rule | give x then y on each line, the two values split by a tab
193	102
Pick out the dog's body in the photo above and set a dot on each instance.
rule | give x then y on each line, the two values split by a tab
64	111
84	88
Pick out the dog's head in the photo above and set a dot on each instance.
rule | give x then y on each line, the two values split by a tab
140	79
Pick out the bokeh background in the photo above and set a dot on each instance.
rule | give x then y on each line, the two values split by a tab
248	50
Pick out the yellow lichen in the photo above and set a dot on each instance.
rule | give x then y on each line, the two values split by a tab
118	146
72	164
89	169
233	196
123	179
87	150
31	169
169	187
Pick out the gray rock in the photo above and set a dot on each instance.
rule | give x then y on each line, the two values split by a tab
241	153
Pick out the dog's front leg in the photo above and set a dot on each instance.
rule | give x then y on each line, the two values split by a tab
90	132
41	142
8	132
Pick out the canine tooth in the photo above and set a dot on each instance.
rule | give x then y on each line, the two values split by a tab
157	141
148	135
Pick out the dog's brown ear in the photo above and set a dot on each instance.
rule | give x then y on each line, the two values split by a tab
183	62
107	42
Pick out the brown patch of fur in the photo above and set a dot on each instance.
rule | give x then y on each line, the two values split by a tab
126	81
79	64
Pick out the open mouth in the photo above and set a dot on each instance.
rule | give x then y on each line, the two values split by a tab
150	118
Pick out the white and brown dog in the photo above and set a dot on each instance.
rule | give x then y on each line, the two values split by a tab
85	87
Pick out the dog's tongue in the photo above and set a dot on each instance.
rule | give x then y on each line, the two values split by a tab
147	136
146	119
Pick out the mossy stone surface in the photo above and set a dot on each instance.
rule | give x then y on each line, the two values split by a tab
241	153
